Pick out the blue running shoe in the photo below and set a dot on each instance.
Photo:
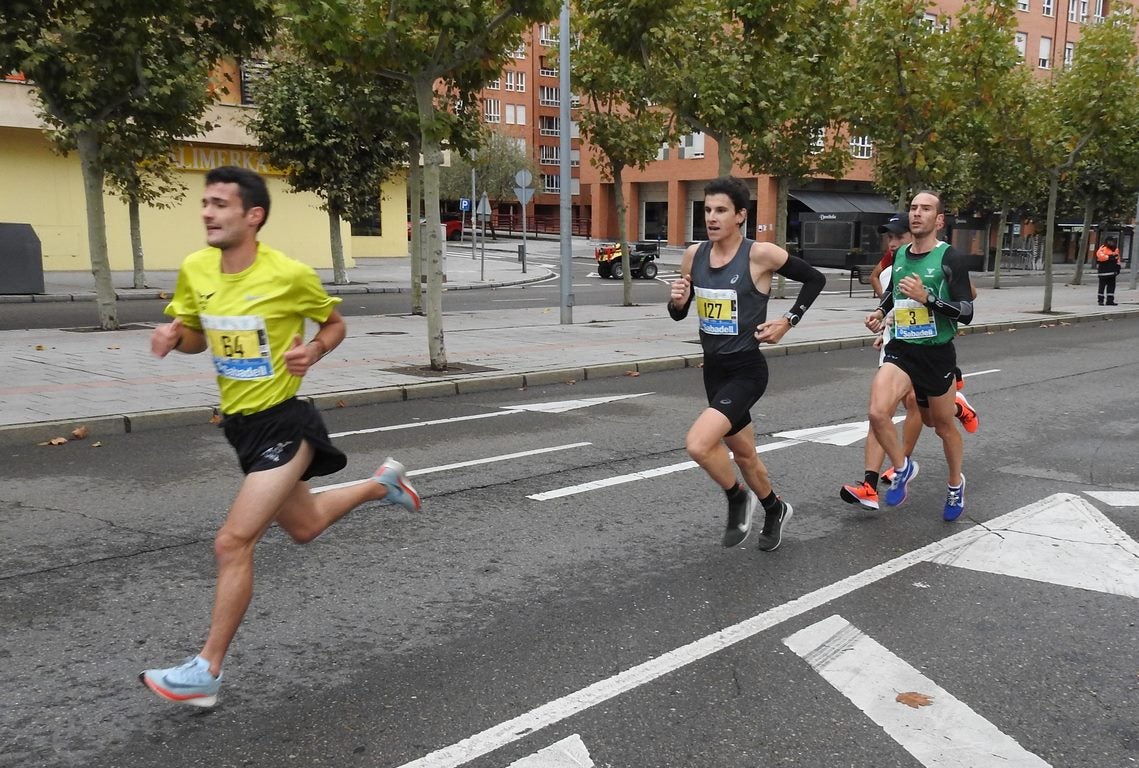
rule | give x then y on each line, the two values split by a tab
191	683
899	485
392	474
954	502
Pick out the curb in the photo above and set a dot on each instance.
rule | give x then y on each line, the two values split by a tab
42	431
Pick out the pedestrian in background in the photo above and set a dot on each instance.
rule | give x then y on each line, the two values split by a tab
1108	265
247	304
730	278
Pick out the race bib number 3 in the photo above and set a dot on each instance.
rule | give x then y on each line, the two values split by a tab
913	320
718	311
239	345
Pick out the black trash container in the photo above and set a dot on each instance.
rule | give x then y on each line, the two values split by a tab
21	260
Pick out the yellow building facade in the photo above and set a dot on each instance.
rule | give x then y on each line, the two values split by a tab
45	190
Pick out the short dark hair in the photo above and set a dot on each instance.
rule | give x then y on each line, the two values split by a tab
935	193
251	187
1109	239
733	188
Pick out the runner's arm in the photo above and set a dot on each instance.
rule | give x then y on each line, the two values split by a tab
959	305
812	279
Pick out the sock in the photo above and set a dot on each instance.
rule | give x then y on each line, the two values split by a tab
905	466
771	503
872	478
734	491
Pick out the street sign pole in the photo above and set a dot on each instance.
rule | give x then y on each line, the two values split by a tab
523	191
484	214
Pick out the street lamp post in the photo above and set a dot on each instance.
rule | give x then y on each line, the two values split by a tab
564	164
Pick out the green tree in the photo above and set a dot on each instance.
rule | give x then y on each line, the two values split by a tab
497	159
338	137
617	119
1079	107
437	48
101	64
923	90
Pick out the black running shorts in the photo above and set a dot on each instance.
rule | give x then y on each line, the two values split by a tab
271	438
931	367
734	383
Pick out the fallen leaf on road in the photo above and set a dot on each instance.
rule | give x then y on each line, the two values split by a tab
56	441
341	404
80	432
914	699
632	373
215	419
97	444
163	295
40	348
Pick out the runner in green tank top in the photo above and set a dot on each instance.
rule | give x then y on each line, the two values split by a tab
930	294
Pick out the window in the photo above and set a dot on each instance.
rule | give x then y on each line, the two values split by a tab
1046	7
575	158
692	146
547	67
520	111
551	182
549	154
1100	11
1044	60
1069	52
934	24
1073	12
515	81
520	143
1083	11
1020	40
575	130
520	51
1022	5
491	110
861	147
547	35
251	72
495	84
549	126
662	153
509	116
818	140
549	96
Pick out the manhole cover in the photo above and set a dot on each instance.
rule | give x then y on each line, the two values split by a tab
452	369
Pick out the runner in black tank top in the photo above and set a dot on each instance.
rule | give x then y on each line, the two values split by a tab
730	279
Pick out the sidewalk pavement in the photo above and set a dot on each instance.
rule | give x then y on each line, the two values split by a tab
108	381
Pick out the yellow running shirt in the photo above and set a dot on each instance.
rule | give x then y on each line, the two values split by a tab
250	319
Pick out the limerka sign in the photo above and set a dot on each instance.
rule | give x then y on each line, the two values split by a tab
189	157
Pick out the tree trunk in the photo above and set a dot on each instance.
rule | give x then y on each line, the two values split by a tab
1050	223
415	193
1082	250
136	241
724	159
432	160
339	272
92	168
782	187
622	232
1002	227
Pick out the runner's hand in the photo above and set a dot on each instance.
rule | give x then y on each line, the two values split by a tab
165	337
300	357
680	290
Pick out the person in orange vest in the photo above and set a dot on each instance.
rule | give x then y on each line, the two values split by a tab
1108	265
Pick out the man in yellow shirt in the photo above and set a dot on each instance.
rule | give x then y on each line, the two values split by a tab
247	304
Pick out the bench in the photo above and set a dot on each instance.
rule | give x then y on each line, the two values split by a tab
861	273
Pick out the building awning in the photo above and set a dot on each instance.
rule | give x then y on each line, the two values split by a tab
838	202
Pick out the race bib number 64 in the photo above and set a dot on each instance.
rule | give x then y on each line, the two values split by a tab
239	346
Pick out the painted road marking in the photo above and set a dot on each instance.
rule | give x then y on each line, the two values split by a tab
1116	498
512	730
835	434
462	464
609	482
938	729
570	752
557	406
1070	543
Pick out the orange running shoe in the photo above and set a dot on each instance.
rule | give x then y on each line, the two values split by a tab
967	415
863	494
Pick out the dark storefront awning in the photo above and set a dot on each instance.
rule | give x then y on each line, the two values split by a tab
837	202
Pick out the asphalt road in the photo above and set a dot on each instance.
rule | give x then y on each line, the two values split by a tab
400	640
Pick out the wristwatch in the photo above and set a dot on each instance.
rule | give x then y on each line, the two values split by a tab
791	318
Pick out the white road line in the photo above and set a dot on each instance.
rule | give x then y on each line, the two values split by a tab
936	728
609	482
570	752
462	464
428	423
557	710
980	373
1116	498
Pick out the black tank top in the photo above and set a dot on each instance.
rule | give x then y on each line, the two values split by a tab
728	304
